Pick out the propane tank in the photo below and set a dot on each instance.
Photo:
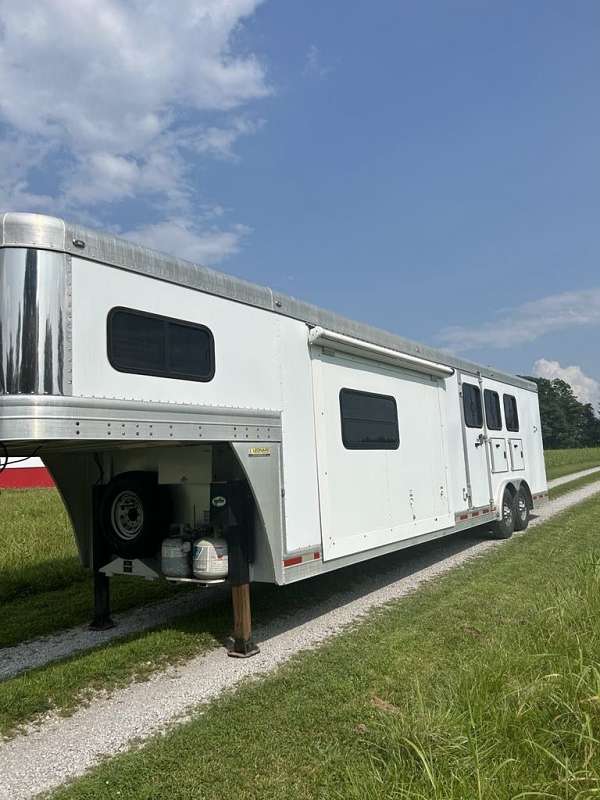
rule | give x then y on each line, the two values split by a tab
210	559
176	555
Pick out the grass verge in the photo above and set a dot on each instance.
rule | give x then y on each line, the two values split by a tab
563	462
483	684
571	486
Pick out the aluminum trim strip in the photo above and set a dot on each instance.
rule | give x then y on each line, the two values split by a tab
48	419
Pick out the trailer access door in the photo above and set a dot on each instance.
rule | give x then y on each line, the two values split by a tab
381	453
475	437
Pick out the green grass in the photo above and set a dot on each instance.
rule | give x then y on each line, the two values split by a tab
483	684
565	488
38	549
563	462
43	587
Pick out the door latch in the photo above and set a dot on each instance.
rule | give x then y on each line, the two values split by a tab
480	440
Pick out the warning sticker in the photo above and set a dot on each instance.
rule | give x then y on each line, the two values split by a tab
259	451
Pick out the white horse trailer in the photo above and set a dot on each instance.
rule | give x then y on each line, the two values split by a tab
161	393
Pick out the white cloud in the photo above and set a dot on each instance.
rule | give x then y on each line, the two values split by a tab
113	100
585	388
527	322
178	236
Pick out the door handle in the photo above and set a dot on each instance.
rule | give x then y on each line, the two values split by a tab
480	440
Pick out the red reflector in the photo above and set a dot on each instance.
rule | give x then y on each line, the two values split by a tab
291	562
475	513
316	555
464	516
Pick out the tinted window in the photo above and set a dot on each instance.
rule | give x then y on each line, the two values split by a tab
152	345
492	410
472	406
369	421
511	415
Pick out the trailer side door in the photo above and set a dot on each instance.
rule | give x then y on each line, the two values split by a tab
381	453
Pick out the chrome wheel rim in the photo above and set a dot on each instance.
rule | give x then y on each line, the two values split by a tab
522	508
507	512
127	515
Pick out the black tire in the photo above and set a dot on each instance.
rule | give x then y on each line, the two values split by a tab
134	514
505	526
522	510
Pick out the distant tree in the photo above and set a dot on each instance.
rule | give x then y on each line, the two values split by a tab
565	421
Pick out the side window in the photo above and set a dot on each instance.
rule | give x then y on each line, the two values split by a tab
511	414
369	421
472	405
493	416
148	344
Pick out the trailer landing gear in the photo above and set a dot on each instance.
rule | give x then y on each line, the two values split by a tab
102	620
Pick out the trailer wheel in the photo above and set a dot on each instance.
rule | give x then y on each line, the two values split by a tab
504	527
134	514
521	510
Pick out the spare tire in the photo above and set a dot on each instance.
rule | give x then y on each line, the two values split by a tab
135	513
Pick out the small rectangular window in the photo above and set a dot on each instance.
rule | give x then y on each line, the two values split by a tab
472	406
511	414
369	421
493	416
148	344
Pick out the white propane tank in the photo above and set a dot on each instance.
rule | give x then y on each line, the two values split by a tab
176	557
211	560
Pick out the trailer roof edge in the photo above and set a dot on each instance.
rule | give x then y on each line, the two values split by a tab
52	233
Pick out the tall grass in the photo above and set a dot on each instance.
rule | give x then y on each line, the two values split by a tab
521	720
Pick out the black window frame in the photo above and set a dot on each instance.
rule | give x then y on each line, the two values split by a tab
467	416
392	444
508	414
167	372
495	397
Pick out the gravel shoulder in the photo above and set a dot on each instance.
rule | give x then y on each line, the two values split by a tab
573	476
60	749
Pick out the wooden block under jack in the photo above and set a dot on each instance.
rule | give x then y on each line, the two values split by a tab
242	646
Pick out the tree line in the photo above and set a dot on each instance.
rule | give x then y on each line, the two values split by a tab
565	421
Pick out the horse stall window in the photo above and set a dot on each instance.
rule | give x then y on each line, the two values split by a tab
493	417
369	421
148	344
472	406
511	414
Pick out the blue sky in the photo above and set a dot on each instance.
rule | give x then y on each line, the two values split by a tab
431	168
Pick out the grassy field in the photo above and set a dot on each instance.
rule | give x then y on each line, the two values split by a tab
497	697
563	462
43	588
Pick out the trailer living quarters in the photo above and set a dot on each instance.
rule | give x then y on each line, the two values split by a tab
161	393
